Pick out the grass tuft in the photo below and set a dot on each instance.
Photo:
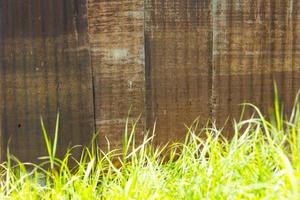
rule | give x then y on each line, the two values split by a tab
260	161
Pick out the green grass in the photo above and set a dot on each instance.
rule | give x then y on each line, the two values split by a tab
260	161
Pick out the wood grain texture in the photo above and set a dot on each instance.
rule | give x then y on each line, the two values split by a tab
178	65
1	82
171	60
45	67
116	32
255	42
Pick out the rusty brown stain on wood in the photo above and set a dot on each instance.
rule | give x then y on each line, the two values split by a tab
116	32
178	63
45	67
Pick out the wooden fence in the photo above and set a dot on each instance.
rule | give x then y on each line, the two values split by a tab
171	60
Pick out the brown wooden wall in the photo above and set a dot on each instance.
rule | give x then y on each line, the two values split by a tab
178	42
45	66
255	42
116	32
172	61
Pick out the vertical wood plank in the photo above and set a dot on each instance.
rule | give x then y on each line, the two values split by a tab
178	65
2	84
254	44
116	32
45	68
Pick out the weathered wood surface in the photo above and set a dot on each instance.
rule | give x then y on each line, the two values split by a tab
178	65
116	32
170	60
45	66
255	42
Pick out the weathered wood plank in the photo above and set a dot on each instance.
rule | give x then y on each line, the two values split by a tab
116	32
2	84
255	42
45	67
178	65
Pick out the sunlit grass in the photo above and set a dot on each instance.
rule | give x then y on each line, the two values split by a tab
260	161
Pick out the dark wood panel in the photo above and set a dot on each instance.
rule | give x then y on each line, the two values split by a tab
172	60
116	30
45	68
178	65
255	42
2	86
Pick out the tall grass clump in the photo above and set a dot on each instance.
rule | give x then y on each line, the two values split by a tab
260	161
